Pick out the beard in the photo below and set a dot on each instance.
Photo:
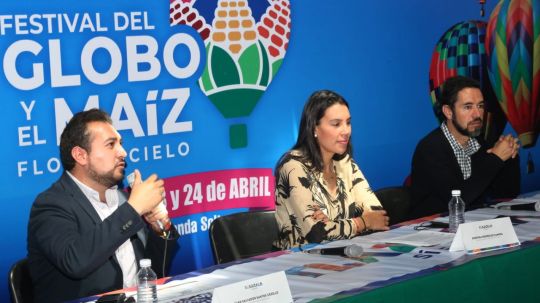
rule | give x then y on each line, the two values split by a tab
465	130
107	179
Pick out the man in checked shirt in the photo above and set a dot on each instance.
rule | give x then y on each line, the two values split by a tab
454	155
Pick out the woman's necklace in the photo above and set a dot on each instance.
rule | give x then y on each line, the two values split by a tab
329	176
330	180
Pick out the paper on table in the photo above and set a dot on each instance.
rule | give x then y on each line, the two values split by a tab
423	238
517	201
492	213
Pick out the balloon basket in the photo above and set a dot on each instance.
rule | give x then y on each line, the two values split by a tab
527	139
238	136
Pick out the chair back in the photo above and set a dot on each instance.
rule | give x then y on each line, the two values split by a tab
243	235
396	201
20	283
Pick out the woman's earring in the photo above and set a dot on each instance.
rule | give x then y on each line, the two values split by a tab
315	135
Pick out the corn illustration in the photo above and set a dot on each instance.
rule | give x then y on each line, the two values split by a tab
275	27
243	55
233	26
182	12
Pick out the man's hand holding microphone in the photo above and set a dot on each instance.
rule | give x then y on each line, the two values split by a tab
146	198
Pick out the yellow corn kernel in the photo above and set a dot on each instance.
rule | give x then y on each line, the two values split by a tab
234	36
250	35
235	48
218	36
221	24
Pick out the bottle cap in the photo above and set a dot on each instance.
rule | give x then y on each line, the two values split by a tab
456	192
145	262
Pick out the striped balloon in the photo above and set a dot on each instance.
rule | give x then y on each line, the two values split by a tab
513	49
460	51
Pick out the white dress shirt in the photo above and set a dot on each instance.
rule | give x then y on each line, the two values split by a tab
125	253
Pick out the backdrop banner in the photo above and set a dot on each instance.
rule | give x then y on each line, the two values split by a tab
172	75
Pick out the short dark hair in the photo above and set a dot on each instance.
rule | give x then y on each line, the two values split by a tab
314	110
450	90
76	134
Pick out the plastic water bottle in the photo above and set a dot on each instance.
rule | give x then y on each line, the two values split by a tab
456	210
146	283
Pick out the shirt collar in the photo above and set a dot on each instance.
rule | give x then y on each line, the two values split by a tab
89	192
472	144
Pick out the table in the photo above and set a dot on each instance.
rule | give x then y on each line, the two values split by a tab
390	272
508	277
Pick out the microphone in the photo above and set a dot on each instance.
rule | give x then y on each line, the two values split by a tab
527	206
131	179
353	251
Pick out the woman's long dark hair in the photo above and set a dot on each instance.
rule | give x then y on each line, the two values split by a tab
306	143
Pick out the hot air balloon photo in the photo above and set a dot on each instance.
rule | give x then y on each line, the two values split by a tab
513	50
460	51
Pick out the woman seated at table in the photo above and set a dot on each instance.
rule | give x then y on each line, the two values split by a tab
321	194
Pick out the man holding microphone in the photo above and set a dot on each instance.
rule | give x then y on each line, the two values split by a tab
85	236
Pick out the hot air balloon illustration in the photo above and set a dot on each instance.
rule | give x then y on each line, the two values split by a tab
243	54
460	51
513	49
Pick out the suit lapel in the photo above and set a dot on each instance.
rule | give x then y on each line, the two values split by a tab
78	197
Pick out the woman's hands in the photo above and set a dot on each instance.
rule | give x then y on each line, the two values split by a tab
318	215
372	219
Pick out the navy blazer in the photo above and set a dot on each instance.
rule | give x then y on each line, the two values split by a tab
71	251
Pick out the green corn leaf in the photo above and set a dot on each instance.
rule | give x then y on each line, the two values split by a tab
223	68
250	64
265	73
275	67
204	81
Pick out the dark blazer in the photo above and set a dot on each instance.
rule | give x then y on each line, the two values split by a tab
436	172
71	252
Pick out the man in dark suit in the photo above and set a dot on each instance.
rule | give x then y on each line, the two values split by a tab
454	156
85	236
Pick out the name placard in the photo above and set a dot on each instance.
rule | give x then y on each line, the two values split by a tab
481	236
272	288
